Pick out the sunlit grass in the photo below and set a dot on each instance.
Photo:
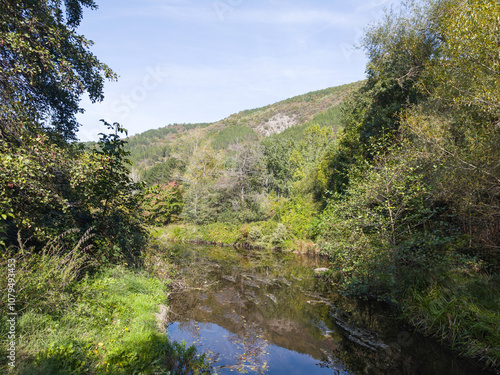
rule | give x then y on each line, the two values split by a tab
110	328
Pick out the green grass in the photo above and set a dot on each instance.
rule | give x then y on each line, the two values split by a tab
264	234
267	234
110	328
463	311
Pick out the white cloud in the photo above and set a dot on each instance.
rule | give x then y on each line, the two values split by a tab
291	17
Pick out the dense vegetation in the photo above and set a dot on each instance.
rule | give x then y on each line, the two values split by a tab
396	179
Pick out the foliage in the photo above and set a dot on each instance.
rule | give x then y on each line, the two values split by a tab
277	151
203	168
153	145
457	128
233	134
279	237
404	198
297	213
48	189
110	327
45	67
385	225
225	187
163	172
108	196
260	234
49	185
33	184
464	70
110	184
412	184
398	47
162	204
293	163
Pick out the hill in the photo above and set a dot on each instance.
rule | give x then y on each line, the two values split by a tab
289	117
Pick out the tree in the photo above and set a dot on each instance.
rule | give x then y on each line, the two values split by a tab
277	152
398	49
45	67
386	227
457	129
164	172
110	182
464	70
205	166
48	184
34	182
247	171
241	186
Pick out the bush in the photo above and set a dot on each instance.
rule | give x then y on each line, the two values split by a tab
280	236
384	226
296	213
162	204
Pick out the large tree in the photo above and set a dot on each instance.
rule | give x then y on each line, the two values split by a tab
45	67
47	183
398	47
457	128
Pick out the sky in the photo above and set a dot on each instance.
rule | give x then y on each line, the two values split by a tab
191	61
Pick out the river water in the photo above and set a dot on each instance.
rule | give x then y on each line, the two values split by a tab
261	312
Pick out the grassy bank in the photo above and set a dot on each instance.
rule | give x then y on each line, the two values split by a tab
263	234
110	322
463	311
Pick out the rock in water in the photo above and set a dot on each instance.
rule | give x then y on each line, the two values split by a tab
273	298
319	271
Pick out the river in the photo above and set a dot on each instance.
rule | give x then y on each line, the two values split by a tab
262	312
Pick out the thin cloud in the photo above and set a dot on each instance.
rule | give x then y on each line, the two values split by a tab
293	17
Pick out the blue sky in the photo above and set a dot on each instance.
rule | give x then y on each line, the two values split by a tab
201	61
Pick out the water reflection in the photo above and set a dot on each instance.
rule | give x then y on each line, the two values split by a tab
266	313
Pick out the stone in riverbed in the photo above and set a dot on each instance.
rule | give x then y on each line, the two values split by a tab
273	298
319	271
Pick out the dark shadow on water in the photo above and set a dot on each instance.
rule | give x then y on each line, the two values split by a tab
267	313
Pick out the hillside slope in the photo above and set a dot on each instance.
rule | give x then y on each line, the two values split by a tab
176	141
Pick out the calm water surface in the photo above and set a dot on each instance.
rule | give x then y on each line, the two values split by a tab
258	312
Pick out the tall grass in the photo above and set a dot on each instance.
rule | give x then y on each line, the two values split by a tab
44	279
72	323
464	312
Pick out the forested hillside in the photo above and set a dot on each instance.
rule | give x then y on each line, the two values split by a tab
157	153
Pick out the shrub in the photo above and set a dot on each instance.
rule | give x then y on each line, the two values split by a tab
296	213
162	204
383	227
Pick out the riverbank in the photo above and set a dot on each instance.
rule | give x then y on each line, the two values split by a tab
110	322
261	235
461	308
